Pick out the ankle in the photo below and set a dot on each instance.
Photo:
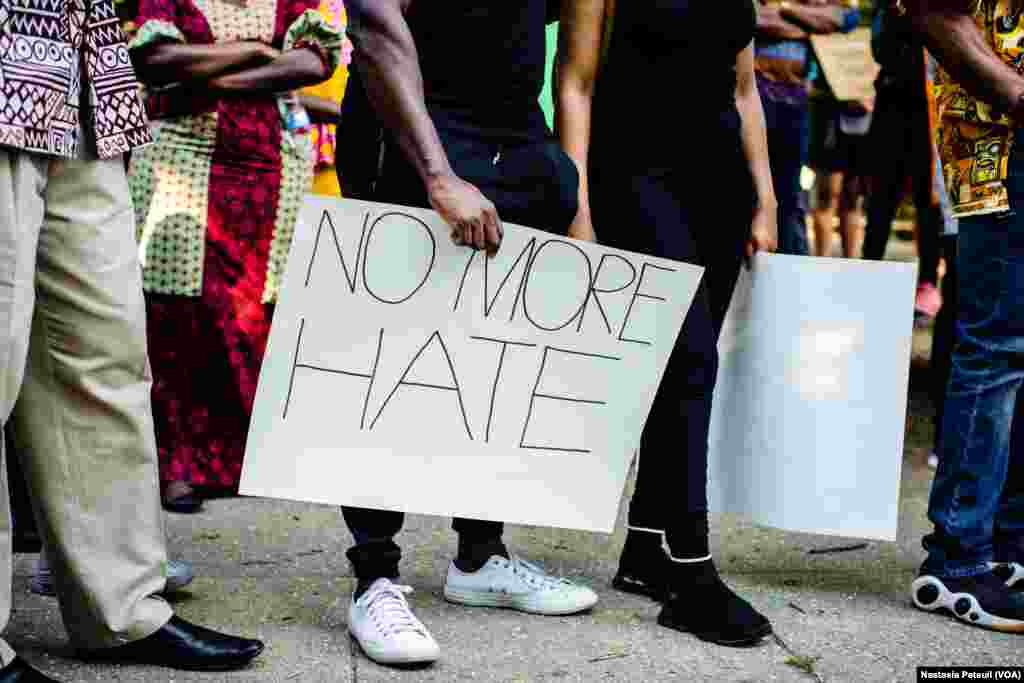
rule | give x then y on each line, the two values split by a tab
688	538
644	540
475	552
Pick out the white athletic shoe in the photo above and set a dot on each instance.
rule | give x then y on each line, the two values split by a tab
1011	573
179	574
387	630
982	600
517	584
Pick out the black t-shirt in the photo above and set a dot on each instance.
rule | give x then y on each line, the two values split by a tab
483	62
667	89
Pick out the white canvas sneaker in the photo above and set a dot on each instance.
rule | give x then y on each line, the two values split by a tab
519	585
387	630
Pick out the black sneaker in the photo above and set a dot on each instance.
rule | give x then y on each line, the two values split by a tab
642	565
701	604
1011	574
982	600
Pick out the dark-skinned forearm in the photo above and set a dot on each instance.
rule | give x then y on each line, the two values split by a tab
388	65
814	19
771	24
294	69
321	109
955	40
169	62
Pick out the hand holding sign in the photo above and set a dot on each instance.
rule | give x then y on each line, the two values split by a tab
473	219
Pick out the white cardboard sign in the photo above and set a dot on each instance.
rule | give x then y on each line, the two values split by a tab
406	373
810	407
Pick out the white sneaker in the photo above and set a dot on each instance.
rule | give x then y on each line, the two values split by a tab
387	630
518	585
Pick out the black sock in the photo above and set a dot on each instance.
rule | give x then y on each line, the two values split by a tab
474	552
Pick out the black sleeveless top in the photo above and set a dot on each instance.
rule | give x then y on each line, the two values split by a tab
666	93
483	62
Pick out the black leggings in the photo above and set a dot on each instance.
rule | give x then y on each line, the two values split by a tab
901	126
654	214
532	183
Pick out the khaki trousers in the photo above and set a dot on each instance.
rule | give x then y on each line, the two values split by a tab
73	345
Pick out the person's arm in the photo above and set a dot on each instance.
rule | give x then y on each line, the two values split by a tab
818	18
168	62
321	109
764	229
292	70
956	42
772	25
580	39
387	60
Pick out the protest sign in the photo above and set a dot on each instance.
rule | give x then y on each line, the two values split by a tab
406	373
810	408
850	69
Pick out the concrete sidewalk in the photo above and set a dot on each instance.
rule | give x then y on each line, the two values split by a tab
278	570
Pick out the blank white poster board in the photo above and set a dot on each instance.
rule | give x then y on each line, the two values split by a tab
810	408
406	373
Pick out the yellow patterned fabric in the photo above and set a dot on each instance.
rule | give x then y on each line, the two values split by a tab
170	183
324	136
974	139
154	32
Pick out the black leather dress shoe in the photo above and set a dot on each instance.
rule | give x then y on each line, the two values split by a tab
181	645
18	671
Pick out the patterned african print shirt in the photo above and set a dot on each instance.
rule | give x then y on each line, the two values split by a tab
974	139
55	57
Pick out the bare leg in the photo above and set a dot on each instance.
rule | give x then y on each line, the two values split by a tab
828	190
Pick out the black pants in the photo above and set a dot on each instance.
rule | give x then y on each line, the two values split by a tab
531	182
901	148
660	214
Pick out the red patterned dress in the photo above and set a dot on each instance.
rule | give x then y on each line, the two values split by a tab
216	199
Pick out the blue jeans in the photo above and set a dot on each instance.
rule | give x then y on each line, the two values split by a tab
977	498
787	121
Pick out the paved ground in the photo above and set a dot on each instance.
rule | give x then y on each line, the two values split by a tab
277	570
